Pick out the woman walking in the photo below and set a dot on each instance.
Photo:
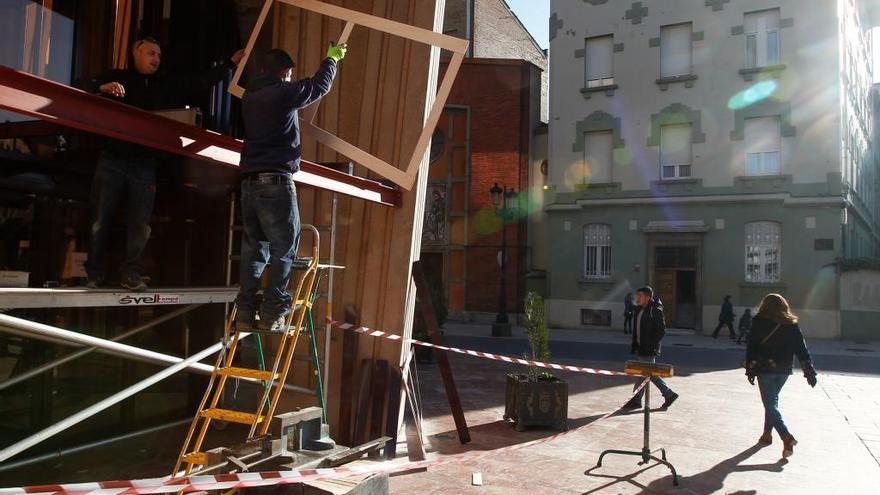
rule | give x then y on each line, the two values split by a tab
774	340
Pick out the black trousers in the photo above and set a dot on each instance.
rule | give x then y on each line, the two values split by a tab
729	327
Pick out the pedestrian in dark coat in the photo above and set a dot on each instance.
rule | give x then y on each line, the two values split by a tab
628	313
649	327
745	324
725	318
774	341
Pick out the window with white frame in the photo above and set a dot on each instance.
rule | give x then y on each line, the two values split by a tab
598	70
762	146
762	38
675	50
597	251
598	149
763	252
675	151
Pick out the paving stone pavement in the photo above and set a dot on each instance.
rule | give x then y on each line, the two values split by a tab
709	435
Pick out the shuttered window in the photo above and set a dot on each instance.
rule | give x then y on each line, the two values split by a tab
762	38
675	50
598	148
599	52
762	146
675	151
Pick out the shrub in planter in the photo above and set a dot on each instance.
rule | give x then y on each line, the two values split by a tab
537	398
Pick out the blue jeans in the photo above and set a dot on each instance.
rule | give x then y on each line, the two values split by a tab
770	384
270	215
119	178
656	380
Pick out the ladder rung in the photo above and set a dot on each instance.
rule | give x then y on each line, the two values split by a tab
264	375
195	458
231	416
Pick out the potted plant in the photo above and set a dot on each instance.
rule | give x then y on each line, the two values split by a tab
420	329
537	398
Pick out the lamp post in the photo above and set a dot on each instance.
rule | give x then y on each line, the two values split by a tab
505	203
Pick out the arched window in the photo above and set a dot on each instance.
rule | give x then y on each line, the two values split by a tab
763	252
597	251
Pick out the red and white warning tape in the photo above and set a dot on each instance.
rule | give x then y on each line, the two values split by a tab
480	354
271	478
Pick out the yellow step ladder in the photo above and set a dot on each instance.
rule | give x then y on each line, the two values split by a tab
191	454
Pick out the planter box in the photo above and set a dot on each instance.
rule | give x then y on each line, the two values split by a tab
541	403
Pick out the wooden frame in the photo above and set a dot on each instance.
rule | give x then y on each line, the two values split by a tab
403	177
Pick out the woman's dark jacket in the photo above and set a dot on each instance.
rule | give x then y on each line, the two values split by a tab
777	353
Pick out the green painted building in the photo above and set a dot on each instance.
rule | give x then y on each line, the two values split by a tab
707	148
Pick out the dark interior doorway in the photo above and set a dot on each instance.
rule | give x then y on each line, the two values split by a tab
686	298
675	279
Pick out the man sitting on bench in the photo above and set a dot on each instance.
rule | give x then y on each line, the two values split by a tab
271	156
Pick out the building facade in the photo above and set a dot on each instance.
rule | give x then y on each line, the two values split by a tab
708	148
485	137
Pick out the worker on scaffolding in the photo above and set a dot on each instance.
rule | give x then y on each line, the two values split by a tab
271	156
127	170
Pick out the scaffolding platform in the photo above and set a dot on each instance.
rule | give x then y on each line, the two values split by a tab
81	297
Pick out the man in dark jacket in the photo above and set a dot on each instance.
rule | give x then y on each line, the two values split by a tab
127	171
649	327
271	156
726	317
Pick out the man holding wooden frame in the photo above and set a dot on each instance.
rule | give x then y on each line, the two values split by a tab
271	156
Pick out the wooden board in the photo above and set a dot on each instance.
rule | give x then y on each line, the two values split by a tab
377	103
405	176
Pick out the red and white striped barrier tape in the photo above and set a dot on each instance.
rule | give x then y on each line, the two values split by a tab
270	478
480	354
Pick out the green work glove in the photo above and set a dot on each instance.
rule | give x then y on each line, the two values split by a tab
337	52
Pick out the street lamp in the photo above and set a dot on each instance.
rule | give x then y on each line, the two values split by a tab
505	202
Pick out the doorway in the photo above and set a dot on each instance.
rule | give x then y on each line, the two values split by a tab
675	279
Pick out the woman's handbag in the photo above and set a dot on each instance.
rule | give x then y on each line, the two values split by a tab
755	365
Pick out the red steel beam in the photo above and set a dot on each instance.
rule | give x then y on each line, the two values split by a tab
56	103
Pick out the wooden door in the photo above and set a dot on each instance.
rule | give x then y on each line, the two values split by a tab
664	287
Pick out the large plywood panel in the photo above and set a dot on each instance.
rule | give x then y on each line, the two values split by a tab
379	102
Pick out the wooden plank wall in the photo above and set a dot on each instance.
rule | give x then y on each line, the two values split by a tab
378	103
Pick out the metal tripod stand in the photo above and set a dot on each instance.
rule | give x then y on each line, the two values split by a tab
646	453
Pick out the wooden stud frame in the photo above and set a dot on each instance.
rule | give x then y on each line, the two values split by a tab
405	177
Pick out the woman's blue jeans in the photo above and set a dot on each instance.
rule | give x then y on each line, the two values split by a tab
770	384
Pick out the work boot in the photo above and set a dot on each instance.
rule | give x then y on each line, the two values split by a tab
788	443
244	323
277	324
134	282
766	438
670	398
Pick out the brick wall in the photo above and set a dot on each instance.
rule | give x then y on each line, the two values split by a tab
497	94
496	34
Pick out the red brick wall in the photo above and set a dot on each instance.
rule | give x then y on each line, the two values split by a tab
497	93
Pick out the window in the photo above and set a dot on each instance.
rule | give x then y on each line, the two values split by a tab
675	151
763	252
762	38
675	50
598	63
597	251
597	157
596	317
762	143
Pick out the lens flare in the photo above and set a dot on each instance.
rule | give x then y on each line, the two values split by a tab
752	95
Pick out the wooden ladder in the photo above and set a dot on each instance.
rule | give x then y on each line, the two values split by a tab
273	380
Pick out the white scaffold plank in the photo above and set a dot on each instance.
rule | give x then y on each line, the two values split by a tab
15	298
